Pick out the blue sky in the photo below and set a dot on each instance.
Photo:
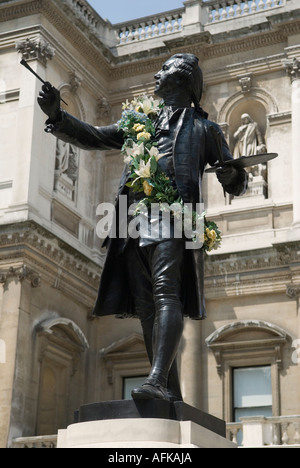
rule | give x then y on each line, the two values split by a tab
117	11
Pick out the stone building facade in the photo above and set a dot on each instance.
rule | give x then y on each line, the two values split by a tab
54	356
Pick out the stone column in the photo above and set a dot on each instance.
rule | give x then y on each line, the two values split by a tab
292	67
9	319
11	309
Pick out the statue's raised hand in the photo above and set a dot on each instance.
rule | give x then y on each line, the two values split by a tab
49	101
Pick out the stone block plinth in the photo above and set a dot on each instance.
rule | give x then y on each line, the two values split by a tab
143	424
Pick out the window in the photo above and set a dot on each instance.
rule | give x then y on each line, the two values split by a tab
245	352
252	392
129	383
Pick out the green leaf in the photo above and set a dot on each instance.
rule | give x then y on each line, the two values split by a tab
153	164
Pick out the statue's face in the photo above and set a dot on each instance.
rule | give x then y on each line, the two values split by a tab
169	78
245	120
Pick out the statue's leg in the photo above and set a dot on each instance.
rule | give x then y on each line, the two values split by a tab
165	261
173	387
173	384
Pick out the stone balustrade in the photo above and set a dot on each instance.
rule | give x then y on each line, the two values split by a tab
47	441
260	431
151	26
158	26
85	12
177	20
223	10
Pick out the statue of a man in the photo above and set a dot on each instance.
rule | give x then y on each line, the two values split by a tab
66	160
160	281
249	139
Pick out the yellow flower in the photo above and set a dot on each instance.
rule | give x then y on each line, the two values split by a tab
211	234
138	127
147	188
144	136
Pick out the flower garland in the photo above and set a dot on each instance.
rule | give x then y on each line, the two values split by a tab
141	153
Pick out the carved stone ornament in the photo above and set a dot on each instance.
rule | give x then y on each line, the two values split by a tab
293	291
21	274
292	67
35	49
103	110
75	81
245	82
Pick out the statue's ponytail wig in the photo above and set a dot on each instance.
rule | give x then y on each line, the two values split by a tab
188	65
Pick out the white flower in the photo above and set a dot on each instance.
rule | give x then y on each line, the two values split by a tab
133	151
149	105
154	152
126	105
143	170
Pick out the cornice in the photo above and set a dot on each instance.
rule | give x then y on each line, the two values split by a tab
23	8
206	45
89	46
237	45
27	247
280	256
253	272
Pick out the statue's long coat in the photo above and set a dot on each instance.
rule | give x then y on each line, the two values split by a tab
193	147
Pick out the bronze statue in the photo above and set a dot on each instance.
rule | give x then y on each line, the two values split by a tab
160	281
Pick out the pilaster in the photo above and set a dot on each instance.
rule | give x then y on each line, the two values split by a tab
29	128
292	67
9	320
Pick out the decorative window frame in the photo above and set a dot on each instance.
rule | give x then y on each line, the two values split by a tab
125	358
247	343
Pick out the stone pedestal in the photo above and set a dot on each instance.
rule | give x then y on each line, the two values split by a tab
256	192
143	424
